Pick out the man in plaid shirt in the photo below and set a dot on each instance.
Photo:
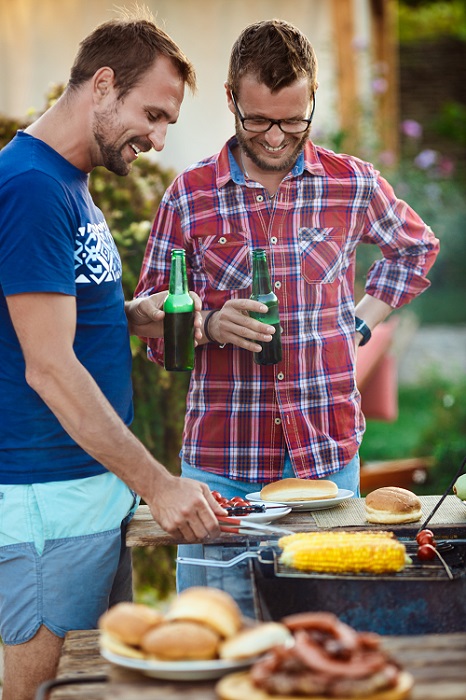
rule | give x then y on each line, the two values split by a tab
270	187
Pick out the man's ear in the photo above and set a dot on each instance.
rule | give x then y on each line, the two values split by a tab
230	104
103	83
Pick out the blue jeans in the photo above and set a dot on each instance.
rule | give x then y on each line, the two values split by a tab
237	580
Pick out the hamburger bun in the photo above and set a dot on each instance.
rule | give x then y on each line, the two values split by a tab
128	622
238	686
181	641
299	490
255	641
392	504
113	645
209	606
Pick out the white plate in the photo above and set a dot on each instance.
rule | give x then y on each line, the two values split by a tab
179	670
271	513
343	495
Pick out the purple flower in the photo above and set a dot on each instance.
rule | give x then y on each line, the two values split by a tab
426	158
379	85
411	128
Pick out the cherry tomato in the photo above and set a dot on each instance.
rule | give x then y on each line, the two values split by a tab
223	502
238	501
425	537
217	495
426	552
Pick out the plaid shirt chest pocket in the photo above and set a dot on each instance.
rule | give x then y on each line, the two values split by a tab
225	258
322	253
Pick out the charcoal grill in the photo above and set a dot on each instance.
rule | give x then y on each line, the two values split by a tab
424	598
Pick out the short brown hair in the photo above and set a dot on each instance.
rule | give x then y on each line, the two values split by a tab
129	46
275	52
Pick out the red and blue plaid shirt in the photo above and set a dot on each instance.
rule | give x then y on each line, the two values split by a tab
240	416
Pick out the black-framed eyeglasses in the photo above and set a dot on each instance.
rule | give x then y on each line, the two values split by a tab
260	125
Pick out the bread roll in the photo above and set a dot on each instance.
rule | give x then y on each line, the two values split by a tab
392	504
128	622
299	490
255	641
109	643
181	641
210	606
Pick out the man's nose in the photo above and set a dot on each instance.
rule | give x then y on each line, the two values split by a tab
274	135
157	136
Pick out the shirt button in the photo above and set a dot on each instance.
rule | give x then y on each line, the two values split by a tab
274	239
260	198
280	376
278	285
278	421
222	239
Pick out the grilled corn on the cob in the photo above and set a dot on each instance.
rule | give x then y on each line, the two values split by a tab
343	552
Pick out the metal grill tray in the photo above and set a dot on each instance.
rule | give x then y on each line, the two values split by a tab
454	554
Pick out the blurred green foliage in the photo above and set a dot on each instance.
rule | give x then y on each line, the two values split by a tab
426	19
431	423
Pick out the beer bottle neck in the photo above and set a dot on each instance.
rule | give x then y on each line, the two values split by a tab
260	274
178	276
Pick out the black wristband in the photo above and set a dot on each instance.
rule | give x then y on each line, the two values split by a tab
206	325
362	328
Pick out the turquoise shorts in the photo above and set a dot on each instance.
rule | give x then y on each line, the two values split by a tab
63	558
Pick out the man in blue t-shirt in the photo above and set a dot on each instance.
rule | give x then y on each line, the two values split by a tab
70	468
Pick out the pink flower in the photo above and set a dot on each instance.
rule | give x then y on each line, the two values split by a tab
387	158
411	128
379	85
360	43
446	167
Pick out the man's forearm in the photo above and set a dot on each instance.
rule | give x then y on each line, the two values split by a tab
372	311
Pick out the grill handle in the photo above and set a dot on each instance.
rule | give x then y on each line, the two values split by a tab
216	563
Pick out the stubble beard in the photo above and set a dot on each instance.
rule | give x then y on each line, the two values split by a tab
265	165
112	158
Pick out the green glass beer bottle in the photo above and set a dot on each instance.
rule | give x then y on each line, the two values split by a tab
271	353
178	322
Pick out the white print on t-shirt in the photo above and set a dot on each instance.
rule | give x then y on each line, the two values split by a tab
96	256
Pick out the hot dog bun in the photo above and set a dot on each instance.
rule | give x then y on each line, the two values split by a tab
181	641
392	504
255	641
299	490
238	686
210	606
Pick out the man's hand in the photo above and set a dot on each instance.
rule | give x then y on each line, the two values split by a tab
186	509
145	316
232	324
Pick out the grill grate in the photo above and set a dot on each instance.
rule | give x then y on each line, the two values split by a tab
434	570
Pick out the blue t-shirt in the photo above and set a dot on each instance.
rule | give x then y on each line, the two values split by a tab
54	239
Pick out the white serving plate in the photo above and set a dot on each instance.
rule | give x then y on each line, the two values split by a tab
273	511
321	504
179	670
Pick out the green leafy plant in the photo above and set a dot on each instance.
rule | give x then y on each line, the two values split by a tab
427	19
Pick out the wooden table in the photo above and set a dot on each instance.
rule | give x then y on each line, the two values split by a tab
144	531
437	663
